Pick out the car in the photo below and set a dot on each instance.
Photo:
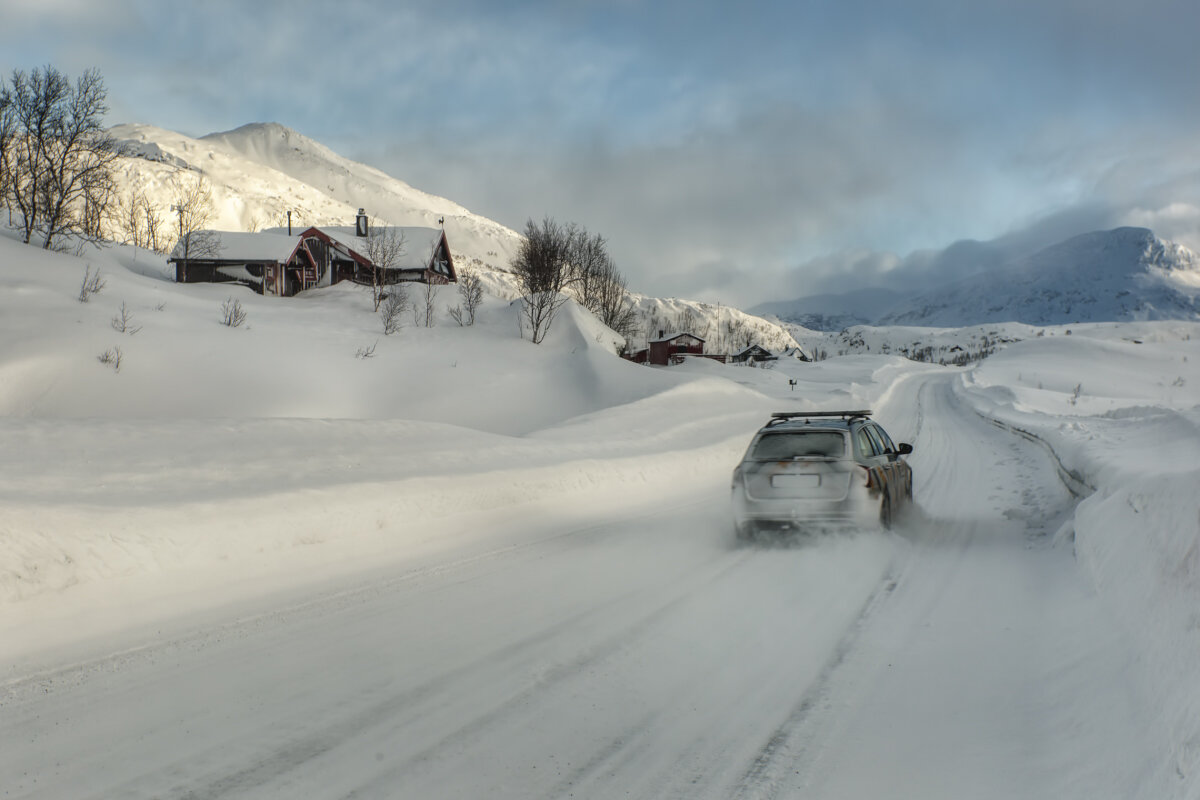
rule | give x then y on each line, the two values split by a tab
818	470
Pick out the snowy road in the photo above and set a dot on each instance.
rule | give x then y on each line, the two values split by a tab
640	656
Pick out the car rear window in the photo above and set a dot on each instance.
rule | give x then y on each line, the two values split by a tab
799	444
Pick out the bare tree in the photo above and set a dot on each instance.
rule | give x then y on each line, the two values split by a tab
391	312
543	270
58	171
36	102
595	280
689	321
611	301
470	290
138	221
598	283
8	131
193	203
153	224
385	246
739	334
589	262
429	298
127	220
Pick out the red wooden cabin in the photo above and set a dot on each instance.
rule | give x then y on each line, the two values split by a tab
667	348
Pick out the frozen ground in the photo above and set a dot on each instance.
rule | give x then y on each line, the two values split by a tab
250	564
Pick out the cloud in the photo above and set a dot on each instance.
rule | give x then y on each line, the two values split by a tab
746	195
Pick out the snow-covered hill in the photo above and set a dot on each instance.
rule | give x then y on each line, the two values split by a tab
724	329
259	172
1105	276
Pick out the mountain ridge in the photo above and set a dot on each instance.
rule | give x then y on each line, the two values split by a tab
1115	275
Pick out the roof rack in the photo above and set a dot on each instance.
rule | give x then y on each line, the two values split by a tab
784	416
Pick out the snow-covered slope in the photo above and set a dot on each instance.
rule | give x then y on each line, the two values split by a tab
1104	276
220	530
724	329
362	186
309	161
259	172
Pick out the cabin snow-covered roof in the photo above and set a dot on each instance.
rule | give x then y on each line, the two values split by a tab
244	247
671	336
794	352
420	244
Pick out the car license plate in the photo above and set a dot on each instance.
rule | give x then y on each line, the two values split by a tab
795	481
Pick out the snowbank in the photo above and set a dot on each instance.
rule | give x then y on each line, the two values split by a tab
1119	406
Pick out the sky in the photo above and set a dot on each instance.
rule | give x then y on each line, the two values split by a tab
761	151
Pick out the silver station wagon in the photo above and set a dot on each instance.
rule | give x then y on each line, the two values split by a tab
818	470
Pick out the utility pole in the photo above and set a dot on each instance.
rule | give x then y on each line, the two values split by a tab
719	350
179	208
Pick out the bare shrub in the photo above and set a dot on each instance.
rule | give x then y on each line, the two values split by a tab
366	352
391	312
92	284
111	357
232	313
123	322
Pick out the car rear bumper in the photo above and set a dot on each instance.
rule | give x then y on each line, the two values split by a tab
856	511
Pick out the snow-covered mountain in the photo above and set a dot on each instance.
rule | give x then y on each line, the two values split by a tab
1103	276
259	172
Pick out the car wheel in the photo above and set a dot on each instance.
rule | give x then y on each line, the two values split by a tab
746	531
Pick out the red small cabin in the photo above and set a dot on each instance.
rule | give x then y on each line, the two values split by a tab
665	349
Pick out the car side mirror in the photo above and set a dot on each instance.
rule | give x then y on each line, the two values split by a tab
904	449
